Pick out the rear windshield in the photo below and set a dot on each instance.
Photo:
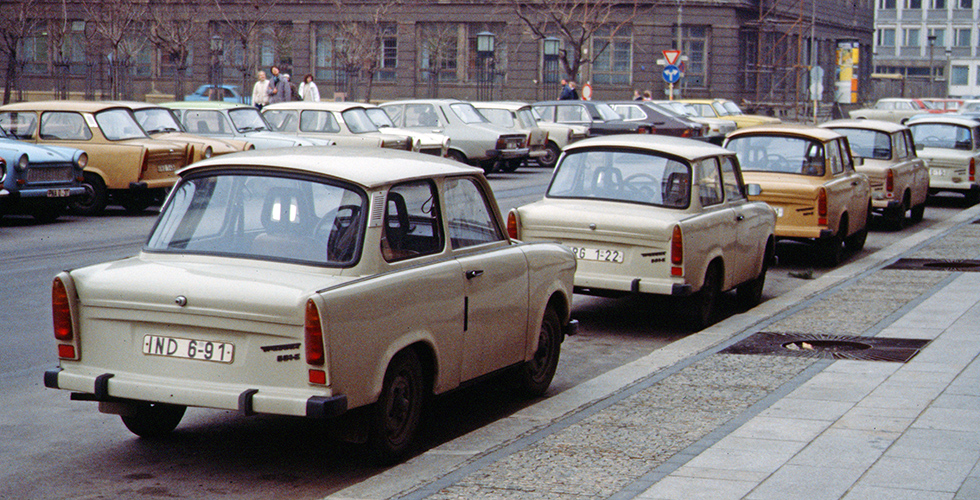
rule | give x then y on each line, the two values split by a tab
637	177
783	154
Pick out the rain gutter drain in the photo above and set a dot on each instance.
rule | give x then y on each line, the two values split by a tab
829	346
936	265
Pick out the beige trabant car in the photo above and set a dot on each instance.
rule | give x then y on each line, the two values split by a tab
885	152
654	215
728	110
125	165
160	123
892	109
951	147
315	282
519	117
345	123
807	175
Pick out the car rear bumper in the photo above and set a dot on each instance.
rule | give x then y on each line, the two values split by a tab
109	387
597	284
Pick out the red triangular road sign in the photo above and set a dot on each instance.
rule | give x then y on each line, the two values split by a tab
671	56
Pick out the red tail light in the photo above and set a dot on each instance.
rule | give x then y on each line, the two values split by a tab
890	180
313	332
146	163
973	169
64	329
822	207
677	252
512	225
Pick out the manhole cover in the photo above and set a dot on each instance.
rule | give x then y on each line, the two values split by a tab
936	265
829	346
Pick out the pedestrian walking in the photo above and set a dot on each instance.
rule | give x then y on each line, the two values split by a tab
279	90
308	90
260	91
572	94
566	91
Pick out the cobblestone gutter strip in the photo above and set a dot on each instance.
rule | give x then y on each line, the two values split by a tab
616	446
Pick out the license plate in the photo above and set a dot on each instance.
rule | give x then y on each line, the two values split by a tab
599	254
58	193
936	172
166	168
171	347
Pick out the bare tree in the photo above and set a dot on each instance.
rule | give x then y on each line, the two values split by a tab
242	19
20	20
576	23
361	31
173	31
121	25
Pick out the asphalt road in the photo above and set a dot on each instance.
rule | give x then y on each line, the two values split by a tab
55	448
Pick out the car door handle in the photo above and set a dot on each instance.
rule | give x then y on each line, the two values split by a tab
473	273
739	218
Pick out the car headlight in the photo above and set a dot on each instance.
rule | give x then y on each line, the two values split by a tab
3	171
82	160
208	152
22	162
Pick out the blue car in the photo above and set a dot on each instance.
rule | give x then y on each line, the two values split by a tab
38	180
229	93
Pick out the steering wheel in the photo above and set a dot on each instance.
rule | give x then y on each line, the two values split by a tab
645	184
335	220
776	162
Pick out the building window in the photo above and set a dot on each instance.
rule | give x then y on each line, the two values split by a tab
886	4
34	52
389	54
940	35
694	40
966	4
913	4
886	37
614	56
939	4
959	75
438	51
911	37
963	36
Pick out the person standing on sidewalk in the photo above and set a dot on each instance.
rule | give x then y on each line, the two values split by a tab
279	90
260	91
308	90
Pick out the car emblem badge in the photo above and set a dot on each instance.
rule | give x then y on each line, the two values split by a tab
181	301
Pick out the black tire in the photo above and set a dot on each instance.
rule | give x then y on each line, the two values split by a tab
136	202
452	154
832	249
154	420
509	166
750	293
896	219
972	197
536	374
917	213
398	411
48	212
551	158
95	199
705	302
855	242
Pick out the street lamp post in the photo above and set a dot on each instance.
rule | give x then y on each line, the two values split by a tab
551	46
217	50
932	71
485	54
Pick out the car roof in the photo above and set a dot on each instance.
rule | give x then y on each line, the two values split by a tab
320	105
822	134
430	101
511	105
367	167
135	104
879	125
204	105
83	106
685	148
945	118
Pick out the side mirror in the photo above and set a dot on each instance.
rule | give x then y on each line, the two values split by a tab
753	189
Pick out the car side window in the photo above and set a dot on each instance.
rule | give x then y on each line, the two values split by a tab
733	190
19	125
64	126
411	222
318	121
395	114
205	122
421	115
468	215
709	183
901	148
834	159
573	113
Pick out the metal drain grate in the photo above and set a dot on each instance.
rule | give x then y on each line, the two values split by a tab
829	346
936	265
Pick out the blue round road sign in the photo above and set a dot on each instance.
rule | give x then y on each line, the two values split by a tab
672	73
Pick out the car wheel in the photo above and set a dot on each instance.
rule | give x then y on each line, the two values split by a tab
136	203
750	293
972	197
535	375
95	198
897	218
832	249
509	166
918	212
48	212
551	158
398	411
855	242
452	154
154	420
706	300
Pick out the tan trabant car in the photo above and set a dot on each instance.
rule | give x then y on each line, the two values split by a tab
807	175
951	147
728	110
345	123
160	123
885	152
654	215
314	282
125	165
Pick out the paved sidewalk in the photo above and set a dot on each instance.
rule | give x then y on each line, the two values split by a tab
693	421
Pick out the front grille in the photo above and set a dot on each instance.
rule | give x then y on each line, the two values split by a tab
58	173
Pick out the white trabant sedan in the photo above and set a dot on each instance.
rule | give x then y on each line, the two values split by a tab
655	215
951	147
886	154
314	282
